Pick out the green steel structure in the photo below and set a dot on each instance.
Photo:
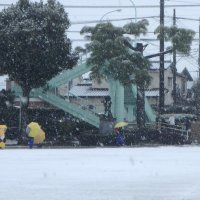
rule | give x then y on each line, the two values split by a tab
123	98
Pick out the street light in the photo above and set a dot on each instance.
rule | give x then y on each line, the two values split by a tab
135	10
22	101
118	10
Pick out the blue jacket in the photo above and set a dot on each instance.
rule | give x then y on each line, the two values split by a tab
120	139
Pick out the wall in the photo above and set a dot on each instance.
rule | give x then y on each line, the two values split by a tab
103	84
168	83
64	89
85	102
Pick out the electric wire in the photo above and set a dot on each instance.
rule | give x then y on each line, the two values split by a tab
183	1
120	6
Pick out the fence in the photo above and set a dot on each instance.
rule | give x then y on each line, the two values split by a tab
180	129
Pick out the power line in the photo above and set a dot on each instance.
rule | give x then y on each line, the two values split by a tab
110	20
129	18
185	18
129	6
137	6
146	6
192	59
182	1
144	39
149	32
6	5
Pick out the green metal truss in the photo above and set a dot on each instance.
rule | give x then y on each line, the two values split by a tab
73	109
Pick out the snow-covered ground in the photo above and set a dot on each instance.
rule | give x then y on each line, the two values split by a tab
152	173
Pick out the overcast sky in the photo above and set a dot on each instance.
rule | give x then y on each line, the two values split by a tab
81	16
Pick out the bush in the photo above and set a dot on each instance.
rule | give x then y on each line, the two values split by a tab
153	136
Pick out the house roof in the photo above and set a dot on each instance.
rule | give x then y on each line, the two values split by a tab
86	90
186	73
86	75
168	64
152	93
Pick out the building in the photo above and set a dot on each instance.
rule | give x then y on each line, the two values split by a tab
93	92
89	94
181	83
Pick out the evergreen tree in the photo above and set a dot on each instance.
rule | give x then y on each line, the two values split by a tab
142	78
34	46
181	40
110	55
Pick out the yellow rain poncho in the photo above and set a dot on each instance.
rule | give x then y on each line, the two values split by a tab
3	129
40	137
34	129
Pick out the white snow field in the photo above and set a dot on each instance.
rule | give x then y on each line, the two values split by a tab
150	173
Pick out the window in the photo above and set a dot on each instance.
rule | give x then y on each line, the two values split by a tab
169	83
183	86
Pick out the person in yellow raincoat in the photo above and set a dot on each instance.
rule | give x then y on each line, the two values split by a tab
3	129
30	139
35	134
32	130
38	140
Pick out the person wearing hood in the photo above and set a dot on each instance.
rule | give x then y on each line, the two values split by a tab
3	129
120	139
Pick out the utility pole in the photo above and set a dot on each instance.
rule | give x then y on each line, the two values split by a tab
199	49
140	108
162	59
174	64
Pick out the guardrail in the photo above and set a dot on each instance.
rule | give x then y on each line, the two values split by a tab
173	128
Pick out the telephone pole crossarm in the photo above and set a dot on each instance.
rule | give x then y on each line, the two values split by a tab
160	53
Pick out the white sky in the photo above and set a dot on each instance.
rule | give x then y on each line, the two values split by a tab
153	173
87	14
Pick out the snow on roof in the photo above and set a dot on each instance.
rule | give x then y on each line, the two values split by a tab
86	90
86	75
152	93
